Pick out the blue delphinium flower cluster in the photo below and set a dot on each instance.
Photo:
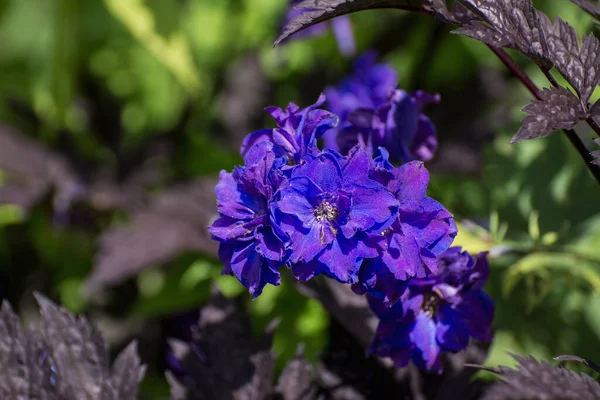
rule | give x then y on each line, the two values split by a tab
435	314
354	217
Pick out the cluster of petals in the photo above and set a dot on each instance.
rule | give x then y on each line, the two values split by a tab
346	212
350	217
436	314
375	113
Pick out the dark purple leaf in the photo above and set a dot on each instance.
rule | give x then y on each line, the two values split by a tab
591	7
596	153
508	23
25	372
68	361
458	14
33	171
579	65
584	361
321	10
557	109
77	348
224	361
296	380
174	222
127	373
534	380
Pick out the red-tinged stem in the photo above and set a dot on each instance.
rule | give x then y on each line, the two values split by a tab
528	83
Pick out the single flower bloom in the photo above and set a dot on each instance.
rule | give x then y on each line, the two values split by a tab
297	130
423	230
249	249
331	214
436	314
341	27
375	113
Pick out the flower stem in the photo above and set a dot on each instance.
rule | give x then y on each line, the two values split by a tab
528	83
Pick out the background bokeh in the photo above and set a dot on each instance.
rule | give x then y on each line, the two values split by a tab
117	115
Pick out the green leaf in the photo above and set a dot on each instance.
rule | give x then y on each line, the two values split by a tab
548	266
173	52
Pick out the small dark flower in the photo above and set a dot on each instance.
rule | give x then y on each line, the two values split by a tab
249	248
436	314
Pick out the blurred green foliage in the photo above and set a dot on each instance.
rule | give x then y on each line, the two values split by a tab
162	68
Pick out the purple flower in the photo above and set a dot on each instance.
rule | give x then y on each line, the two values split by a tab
423	230
436	314
374	113
341	26
297	130
249	248
331	214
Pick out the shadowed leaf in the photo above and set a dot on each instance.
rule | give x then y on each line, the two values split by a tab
296	380
557	109
127	373
534	380
321	10
32	172
223	361
68	361
80	353
25	372
596	154
174	222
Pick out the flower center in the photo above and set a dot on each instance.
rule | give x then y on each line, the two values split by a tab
325	211
431	304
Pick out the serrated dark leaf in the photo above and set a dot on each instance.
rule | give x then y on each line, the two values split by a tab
581	360
80	353
296	380
25	372
596	154
580	65
318	11
126	374
458	14
224	361
32	171
591	7
174	222
558	108
508	23
68	361
534	380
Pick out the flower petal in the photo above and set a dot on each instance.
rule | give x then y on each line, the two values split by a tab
424	337
243	261
451	331
341	260
477	313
